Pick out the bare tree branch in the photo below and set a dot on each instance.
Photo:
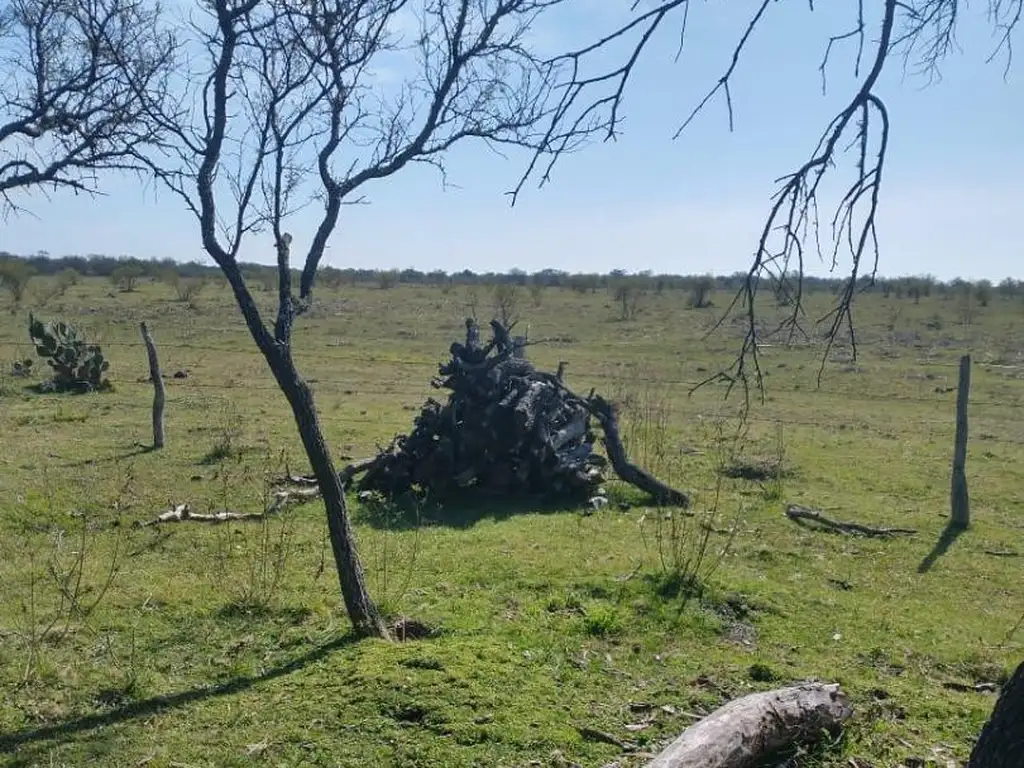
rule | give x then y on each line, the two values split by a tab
921	32
67	108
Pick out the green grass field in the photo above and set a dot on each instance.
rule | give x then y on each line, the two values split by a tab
228	645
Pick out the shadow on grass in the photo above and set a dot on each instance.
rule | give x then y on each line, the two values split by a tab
949	534
464	511
139	450
9	742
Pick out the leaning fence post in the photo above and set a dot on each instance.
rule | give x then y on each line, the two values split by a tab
158	388
960	516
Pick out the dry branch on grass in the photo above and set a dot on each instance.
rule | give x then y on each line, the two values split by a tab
345	475
182	512
745	731
307	489
954	685
306	492
798	514
293	496
593	734
1002	553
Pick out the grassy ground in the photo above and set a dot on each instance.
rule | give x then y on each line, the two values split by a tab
227	645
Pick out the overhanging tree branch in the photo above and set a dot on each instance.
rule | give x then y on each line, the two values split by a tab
67	101
922	32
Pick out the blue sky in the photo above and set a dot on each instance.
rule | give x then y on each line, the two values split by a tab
953	191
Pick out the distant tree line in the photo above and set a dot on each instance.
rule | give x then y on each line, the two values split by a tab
125	270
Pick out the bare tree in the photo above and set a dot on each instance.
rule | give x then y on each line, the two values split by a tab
506	302
917	33
289	107
69	70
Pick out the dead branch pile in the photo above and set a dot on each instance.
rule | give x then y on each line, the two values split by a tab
507	428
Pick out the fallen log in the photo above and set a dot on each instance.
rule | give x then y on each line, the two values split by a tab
182	512
750	729
797	513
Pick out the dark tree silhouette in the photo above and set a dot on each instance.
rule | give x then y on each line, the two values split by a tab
915	34
69	70
1001	743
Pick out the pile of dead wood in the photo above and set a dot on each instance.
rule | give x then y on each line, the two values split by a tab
505	428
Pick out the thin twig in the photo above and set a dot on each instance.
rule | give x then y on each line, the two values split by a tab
798	514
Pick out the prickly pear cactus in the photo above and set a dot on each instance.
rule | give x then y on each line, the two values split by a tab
77	366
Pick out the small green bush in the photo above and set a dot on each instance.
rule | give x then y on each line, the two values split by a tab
14	277
126	277
602	621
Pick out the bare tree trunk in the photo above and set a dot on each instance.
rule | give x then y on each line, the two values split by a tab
363	612
1001	743
158	388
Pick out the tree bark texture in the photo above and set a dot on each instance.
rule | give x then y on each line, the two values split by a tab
363	612
1001	743
159	395
747	730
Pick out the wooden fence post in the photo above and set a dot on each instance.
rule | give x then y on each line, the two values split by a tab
961	508
158	388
